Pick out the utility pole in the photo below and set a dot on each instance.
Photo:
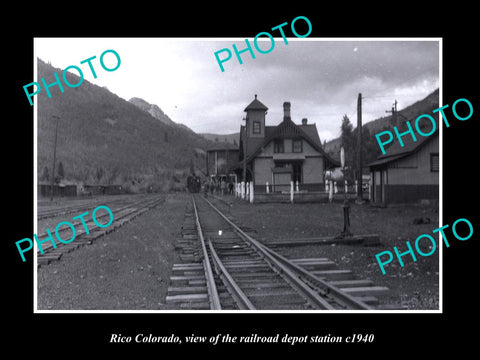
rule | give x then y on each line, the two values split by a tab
245	152
359	149
54	157
346	207
394	113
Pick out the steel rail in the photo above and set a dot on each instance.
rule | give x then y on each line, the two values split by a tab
128	209
305	290
238	295
52	212
211	286
301	276
131	209
329	290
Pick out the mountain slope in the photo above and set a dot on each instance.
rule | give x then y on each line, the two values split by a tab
105	139
424	106
410	113
157	113
228	138
153	110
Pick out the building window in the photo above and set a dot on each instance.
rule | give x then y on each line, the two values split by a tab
434	162
297	146
278	146
256	127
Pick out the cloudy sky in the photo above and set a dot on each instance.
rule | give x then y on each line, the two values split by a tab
320	77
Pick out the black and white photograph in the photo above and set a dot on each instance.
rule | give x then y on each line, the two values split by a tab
247	189
279	186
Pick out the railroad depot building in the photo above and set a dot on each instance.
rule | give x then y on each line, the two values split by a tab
222	161
282	153
407	174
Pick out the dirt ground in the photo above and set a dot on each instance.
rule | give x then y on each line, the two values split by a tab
413	286
128	269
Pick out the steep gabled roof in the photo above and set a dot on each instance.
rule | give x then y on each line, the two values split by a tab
396	151
287	128
311	131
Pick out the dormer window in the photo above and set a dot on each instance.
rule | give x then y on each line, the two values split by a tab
297	146
278	146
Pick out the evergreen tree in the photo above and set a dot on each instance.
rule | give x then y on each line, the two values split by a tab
45	174
60	171
192	168
370	149
99	173
346	130
348	143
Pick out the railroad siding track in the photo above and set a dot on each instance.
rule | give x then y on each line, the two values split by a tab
47	212
264	288
122	216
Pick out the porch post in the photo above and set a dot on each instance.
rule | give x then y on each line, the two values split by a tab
330	191
291	192
251	192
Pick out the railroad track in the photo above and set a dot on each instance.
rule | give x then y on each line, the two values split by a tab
65	210
122	215
224	268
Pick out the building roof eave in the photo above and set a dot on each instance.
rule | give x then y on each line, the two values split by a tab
385	159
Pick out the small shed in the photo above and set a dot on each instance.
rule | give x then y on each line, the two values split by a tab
407	174
45	190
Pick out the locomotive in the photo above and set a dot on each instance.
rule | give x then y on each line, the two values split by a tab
193	184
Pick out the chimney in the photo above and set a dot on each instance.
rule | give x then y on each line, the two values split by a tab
304	121
286	110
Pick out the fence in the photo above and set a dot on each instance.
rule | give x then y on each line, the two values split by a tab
45	190
294	194
101	190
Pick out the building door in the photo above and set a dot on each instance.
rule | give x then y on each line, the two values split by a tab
297	172
380	172
378	186
296	169
384	185
281	180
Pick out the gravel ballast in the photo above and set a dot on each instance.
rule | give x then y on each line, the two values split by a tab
127	269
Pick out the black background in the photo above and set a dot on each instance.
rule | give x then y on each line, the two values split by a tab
395	334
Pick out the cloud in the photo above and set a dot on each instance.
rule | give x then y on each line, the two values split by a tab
320	78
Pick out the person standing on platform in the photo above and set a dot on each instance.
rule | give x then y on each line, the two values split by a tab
223	187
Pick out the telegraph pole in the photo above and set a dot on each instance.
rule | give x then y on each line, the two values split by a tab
394	113
346	207
54	158
359	149
245	153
